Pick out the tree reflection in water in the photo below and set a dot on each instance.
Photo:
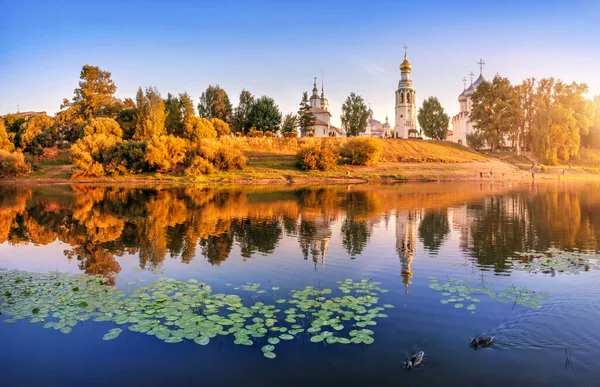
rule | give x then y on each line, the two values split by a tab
99	223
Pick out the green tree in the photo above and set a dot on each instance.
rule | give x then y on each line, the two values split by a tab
306	119
494	111
241	112
174	116
264	115
289	123
354	115
95	95
432	119
5	143
150	119
214	103
127	120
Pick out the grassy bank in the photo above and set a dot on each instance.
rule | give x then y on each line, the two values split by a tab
273	160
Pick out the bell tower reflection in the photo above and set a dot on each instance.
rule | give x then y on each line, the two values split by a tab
406	241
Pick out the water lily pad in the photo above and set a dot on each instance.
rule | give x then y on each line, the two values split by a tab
269	355
268	348
286	336
458	305
273	340
471	307
317	339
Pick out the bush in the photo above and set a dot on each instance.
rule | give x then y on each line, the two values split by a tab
268	133
13	164
32	128
198	128
5	141
221	127
362	151
198	165
475	141
293	134
255	133
165	152
123	158
238	134
317	157
87	154
220	157
106	126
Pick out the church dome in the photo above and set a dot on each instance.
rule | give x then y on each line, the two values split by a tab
370	112
405	66
462	97
469	92
479	81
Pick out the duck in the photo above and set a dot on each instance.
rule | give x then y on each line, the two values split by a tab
414	360
481	342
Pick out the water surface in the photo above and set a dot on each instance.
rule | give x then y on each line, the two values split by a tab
412	238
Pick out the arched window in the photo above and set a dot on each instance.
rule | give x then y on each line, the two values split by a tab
408	97
401	97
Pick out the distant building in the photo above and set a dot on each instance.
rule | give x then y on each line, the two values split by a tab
461	125
25	114
320	109
375	128
406	105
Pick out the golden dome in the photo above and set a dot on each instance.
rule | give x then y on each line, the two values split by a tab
405	66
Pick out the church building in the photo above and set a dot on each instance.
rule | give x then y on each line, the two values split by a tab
375	128
461	125
406	106
319	106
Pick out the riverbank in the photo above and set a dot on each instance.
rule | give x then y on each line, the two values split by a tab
273	161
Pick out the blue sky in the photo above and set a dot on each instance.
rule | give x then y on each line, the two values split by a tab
275	48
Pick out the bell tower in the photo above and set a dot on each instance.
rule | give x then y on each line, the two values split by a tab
406	108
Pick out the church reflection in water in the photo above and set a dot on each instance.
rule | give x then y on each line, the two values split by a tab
98	224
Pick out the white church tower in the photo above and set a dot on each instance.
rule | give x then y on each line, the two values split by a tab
406	108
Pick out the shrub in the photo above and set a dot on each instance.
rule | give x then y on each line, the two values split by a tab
32	128
255	133
5	141
165	152
362	151
268	133
198	165
220	157
238	134
293	134
87	154
125	158
198	128
221	127
475	141
106	126
317	157
13	164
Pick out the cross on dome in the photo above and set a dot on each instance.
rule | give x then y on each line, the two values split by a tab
464	82
481	63
471	75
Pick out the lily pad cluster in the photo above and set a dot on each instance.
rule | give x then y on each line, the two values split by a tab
554	261
461	293
174	310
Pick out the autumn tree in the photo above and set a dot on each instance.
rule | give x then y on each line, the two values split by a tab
214	103
432	119
32	127
354	115
592	139
150	118
494	111
306	119
5	143
87	154
241	112
197	128
95	96
264	115
174	116
164	153
289	123
221	127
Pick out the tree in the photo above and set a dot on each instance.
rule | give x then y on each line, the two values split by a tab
525	114
354	115
220	127
33	127
475	140
150	119
240	115
494	111
165	152
214	103
5	143
127	120
264	115
434	228
95	95
290	123
106	126
174	116
197	128
432	119
306	119
592	139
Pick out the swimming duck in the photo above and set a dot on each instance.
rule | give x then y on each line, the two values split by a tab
414	360
481	342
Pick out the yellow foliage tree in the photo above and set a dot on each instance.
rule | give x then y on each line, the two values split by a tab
165	152
87	153
5	143
220	126
106	126
197	128
33	127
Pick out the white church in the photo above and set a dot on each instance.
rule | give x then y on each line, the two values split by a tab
461	125
405	107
